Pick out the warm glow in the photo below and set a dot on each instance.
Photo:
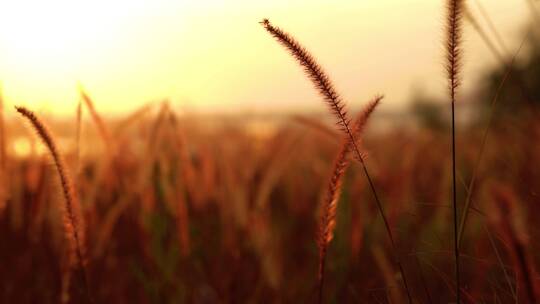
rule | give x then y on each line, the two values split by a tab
214	55
24	147
21	147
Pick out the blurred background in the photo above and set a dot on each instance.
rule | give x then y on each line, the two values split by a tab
200	152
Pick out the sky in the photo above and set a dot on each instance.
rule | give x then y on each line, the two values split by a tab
214	55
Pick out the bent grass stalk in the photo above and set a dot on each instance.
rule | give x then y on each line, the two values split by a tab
73	226
326	89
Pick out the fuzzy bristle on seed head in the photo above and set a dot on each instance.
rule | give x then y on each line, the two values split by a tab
314	71
66	182
453	44
361	121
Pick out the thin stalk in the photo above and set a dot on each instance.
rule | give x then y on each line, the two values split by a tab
331	97
472	183
454	202
453	45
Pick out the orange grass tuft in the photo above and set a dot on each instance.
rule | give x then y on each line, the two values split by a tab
73	225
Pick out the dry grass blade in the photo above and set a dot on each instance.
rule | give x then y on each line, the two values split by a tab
508	218
133	117
328	219
73	226
156	128
501	57
472	183
102	129
534	11
325	87
453	65
317	126
476	25
492	27
385	267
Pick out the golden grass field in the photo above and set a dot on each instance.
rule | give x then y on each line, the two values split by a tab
165	206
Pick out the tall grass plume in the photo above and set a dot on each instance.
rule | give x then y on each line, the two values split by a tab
73	226
337	106
453	68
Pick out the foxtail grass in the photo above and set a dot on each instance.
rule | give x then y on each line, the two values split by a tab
78	127
337	107
73	226
453	68
330	203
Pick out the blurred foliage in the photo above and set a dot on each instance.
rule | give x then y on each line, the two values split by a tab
428	112
517	95
521	91
252	206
